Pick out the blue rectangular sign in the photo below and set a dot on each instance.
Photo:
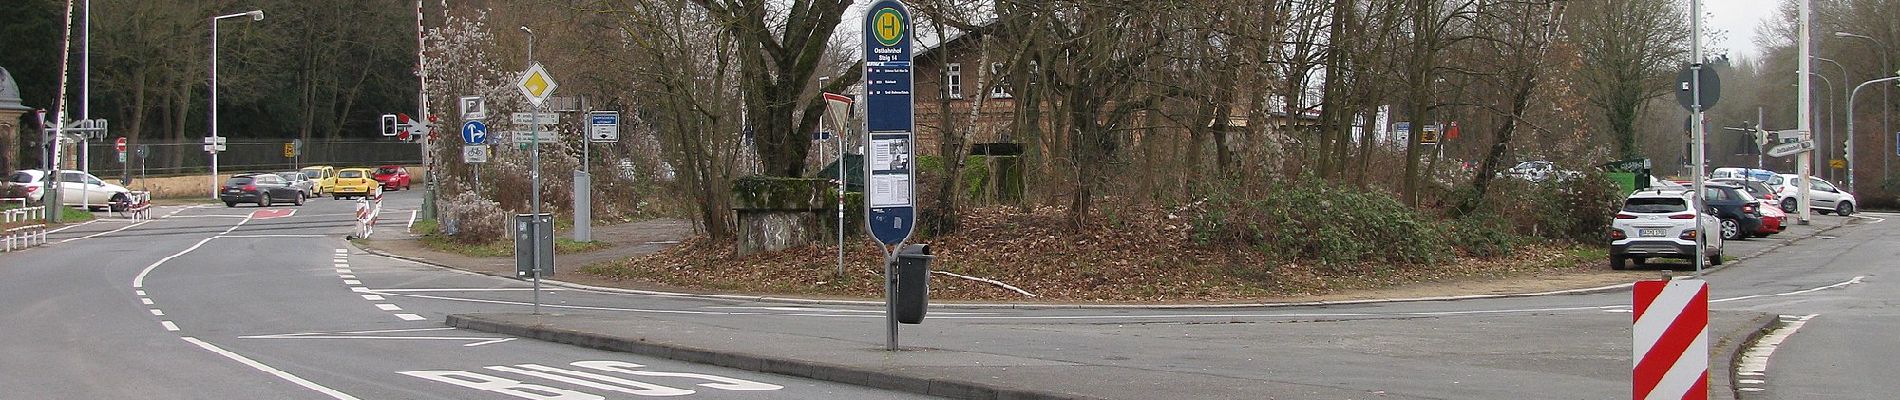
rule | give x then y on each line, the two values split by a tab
889	122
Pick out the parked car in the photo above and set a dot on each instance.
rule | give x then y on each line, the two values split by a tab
77	188
263	189
1745	173
352	182
1740	214
1772	216
324	175
1827	197
392	177
303	183
1662	224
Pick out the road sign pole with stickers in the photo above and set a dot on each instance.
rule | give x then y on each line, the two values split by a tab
890	211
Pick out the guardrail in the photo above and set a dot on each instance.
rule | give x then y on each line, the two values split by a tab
24	236
135	206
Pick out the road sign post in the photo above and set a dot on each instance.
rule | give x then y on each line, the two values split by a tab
890	211
536	85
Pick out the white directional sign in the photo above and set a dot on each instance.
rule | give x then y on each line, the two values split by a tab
536	84
603	126
474	108
1788	149
474	154
524	137
525	119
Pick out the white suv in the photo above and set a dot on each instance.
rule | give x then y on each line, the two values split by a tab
1661	223
1827	197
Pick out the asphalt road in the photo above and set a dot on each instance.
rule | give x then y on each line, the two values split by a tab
215	302
283	308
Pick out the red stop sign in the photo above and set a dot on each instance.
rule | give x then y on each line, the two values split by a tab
119	144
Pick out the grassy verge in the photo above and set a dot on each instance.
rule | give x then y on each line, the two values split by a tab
501	248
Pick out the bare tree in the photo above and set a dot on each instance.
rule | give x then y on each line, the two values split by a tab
1630	50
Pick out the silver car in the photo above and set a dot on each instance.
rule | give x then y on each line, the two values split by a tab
303	183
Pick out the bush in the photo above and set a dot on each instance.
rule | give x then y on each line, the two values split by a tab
1483	235
475	219
1577	210
1313	219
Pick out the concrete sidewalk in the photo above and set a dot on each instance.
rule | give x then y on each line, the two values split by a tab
1465	358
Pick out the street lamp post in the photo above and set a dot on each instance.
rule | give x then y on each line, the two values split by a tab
1847	150
534	183
256	15
1886	129
1850	122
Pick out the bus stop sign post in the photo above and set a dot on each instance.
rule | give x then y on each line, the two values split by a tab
890	211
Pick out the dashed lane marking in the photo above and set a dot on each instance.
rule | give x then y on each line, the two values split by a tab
1754	364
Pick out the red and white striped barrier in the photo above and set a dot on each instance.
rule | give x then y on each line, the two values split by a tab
1671	340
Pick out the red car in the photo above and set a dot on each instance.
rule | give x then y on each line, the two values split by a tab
393	177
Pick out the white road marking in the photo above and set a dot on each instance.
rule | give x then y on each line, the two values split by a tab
488	342
139	281
1754	361
169	326
158	312
108	232
346	276
410	317
207	216
359	289
342	265
388	307
273	236
145	300
1749	381
352	282
342	251
280	374
139	292
284	335
1857	280
372	297
344	271
468	290
72	226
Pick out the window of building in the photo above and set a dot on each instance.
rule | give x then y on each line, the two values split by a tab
1001	89
953	80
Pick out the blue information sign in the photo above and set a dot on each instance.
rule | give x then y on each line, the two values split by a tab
891	211
474	132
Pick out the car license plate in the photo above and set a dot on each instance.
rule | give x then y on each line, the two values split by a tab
1650	232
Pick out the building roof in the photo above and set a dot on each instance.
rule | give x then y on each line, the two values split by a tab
10	93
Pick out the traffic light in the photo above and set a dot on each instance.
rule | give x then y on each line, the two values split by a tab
389	125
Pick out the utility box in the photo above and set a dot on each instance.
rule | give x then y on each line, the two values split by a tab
531	232
913	283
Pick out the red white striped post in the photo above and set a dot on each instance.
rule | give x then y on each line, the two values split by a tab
1671	343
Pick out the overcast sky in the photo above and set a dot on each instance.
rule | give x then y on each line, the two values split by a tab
1739	18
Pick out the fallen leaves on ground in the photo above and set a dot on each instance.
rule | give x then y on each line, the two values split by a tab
1135	256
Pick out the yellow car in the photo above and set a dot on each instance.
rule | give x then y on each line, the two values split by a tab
352	182
324	175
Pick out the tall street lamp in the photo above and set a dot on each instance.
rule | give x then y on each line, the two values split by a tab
1848	151
1822	147
1886	129
256	15
1850	121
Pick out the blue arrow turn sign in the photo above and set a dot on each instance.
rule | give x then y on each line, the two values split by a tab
474	132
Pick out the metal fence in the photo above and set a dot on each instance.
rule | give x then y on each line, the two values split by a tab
161	158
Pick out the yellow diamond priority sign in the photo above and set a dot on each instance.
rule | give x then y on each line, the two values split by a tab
536	84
